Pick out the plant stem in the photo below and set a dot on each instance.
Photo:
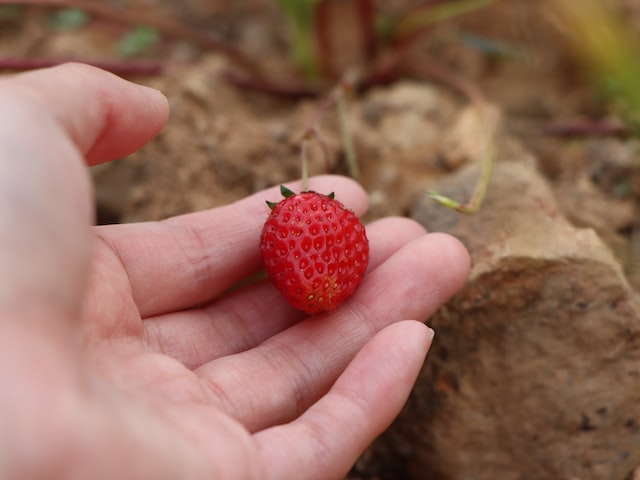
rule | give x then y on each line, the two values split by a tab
337	98
328	42
347	138
367	16
586	128
304	163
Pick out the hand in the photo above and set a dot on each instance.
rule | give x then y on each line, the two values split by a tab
122	352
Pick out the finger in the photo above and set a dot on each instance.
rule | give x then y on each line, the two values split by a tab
49	119
327	439
190	259
105	116
281	377
248	317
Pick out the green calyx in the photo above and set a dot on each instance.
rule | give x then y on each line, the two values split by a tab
286	193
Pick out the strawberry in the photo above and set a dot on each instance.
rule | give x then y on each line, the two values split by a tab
314	249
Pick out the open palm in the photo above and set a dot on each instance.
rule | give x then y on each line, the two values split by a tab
126	353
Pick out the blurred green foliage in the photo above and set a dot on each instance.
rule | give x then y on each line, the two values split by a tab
492	48
431	14
138	42
610	50
301	15
68	19
11	13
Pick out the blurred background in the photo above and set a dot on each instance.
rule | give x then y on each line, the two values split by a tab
524	111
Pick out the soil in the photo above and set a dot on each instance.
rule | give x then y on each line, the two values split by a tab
224	142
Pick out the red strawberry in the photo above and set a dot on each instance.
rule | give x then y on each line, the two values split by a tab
314	249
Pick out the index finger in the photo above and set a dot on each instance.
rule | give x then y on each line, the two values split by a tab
105	116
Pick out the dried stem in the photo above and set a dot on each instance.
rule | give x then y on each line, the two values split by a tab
304	164
311	133
336	98
347	137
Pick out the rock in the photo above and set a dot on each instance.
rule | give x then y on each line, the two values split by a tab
403	122
587	206
535	366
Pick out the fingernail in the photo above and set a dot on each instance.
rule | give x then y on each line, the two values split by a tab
431	333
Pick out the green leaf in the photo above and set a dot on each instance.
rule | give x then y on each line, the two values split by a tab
69	19
138	42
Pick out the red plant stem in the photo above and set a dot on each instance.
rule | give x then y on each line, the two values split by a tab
366	14
586	128
322	30
119	67
365	10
